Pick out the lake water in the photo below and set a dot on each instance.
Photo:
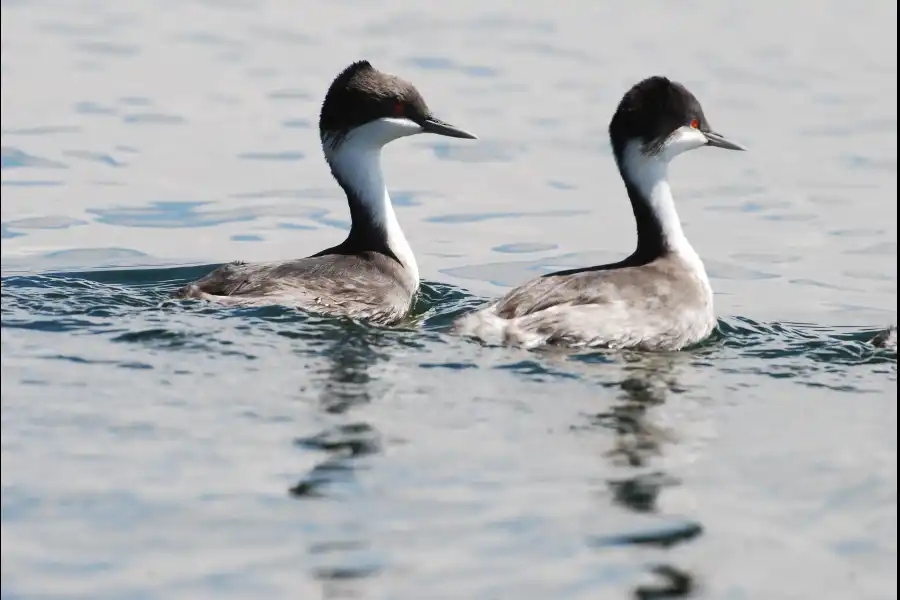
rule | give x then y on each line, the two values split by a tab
189	451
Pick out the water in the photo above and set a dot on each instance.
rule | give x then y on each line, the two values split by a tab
159	450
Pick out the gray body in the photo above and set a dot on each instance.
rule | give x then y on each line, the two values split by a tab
367	285
661	305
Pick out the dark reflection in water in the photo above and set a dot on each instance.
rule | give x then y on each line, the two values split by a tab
344	444
348	378
347	384
340	374
673	584
637	442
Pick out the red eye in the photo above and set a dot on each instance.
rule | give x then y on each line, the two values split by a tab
399	109
695	124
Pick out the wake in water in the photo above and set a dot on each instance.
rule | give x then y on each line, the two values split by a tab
134	305
123	319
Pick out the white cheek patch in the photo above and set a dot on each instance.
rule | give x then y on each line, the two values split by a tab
374	135
681	140
388	129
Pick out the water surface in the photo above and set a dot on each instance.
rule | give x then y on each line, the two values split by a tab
153	449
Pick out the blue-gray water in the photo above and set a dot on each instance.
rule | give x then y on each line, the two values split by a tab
160	450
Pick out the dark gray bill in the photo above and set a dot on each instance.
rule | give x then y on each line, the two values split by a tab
717	140
435	125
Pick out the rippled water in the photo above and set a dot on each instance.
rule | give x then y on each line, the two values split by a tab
153	449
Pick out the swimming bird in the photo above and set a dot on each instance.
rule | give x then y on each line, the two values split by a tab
371	275
659	297
886	339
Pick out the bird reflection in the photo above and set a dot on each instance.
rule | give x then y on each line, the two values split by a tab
348	383
347	378
651	378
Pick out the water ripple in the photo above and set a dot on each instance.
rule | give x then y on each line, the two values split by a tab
13	158
296	455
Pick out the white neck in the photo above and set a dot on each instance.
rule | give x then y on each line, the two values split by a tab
357	162
650	175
